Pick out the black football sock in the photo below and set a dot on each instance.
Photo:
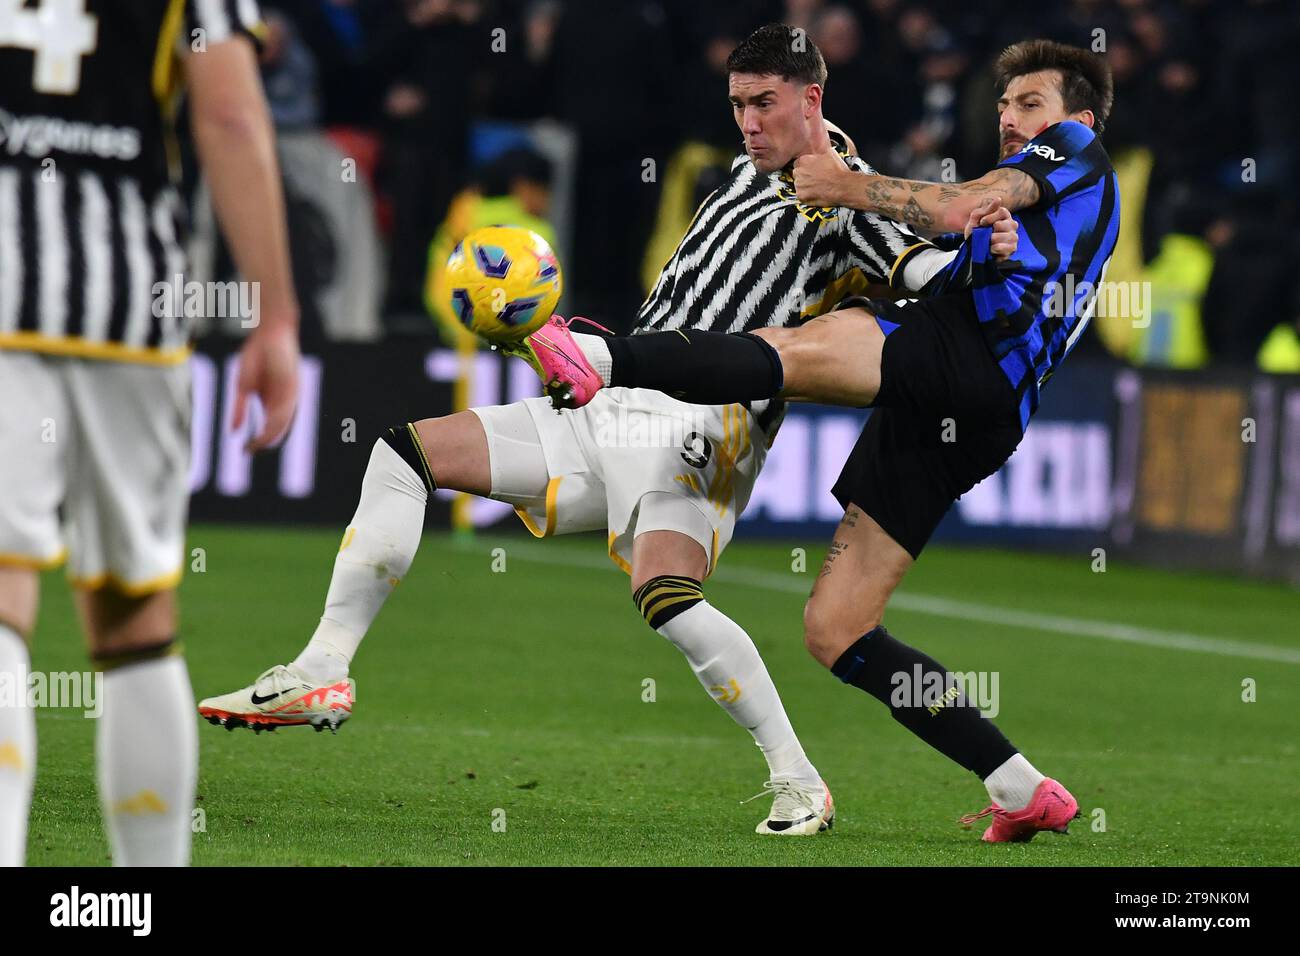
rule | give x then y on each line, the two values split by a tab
931	707
705	368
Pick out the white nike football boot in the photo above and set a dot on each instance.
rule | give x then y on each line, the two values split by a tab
283	697
797	810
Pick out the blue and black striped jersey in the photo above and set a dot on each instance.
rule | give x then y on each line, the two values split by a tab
1033	309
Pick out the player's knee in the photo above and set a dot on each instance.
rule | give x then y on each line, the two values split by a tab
828	632
776	336
665	596
405	440
817	629
129	626
456	450
801	353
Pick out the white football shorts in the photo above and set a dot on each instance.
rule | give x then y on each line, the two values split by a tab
108	443
631	461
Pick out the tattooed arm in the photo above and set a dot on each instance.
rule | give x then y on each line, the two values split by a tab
941	207
931	208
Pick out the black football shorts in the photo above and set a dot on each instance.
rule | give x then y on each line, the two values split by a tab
945	418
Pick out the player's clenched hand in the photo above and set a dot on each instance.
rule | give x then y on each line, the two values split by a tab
820	178
268	368
1006	231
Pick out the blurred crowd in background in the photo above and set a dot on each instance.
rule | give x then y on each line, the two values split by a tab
1205	132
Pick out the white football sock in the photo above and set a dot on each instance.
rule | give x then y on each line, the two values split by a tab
597	353
327	657
728	665
147	750
376	553
1012	785
17	749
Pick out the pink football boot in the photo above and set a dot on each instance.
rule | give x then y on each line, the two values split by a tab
1051	808
567	377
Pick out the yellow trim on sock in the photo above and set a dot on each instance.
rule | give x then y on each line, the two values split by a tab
424	459
648	600
141	804
653	611
11	757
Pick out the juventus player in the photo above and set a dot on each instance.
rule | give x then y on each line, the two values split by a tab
94	385
754	256
973	361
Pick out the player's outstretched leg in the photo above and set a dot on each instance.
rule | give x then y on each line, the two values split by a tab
17	721
843	632
667	569
833	359
406	465
375	553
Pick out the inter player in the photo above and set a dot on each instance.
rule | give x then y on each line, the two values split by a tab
753	257
94	385
953	379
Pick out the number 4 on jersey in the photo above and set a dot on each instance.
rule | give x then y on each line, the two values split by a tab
59	32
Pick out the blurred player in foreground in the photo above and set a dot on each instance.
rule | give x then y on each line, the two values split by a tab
94	380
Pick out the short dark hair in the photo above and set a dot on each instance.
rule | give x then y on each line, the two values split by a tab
1086	83
779	50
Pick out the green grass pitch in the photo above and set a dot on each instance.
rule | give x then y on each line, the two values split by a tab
517	697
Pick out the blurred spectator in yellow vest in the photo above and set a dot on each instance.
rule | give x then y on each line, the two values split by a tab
512	190
1177	278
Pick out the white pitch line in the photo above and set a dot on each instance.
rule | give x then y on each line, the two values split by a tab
952	609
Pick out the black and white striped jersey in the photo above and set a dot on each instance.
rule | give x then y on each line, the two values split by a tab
754	257
90	219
